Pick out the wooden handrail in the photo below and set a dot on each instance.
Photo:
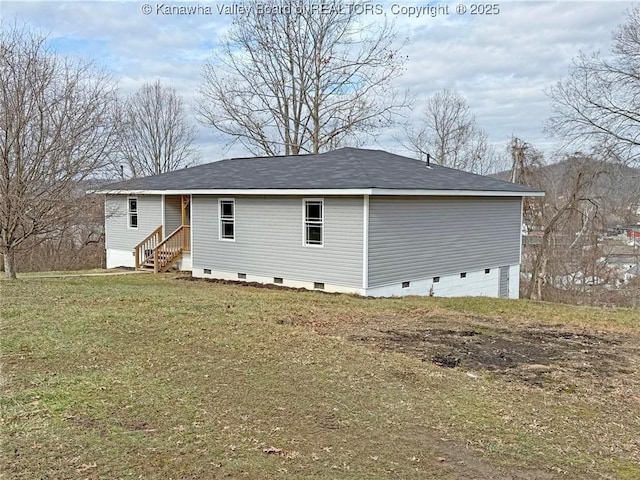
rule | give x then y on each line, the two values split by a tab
146	247
163	252
169	249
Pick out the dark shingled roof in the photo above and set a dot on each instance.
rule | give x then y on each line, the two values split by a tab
345	168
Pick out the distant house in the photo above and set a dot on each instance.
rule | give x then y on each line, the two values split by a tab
632	273
350	220
633	234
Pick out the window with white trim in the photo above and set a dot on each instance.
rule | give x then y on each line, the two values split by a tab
227	214
314	222
132	211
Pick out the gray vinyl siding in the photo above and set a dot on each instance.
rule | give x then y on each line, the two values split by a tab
118	235
269	239
172	213
415	238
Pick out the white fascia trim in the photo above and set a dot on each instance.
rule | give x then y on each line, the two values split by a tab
454	193
328	191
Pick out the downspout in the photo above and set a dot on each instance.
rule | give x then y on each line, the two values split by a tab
365	244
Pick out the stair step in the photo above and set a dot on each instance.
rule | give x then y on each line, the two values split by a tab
165	260
160	257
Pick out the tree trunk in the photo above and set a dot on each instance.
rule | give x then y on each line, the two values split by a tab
9	271
534	291
541	278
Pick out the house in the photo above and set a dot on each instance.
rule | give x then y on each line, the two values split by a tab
632	273
350	220
633	235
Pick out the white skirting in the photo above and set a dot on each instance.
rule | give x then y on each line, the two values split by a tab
475	284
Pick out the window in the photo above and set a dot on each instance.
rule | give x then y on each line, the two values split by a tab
133	212
487	270
227	209
318	285
313	222
278	280
463	275
406	284
436	279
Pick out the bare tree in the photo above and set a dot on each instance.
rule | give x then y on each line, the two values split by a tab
569	219
567	253
449	134
55	130
562	248
78	243
154	133
599	101
304	78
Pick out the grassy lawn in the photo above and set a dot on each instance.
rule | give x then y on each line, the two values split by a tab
143	376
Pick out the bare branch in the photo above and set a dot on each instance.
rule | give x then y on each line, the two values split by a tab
56	129
599	102
154	134
302	80
449	133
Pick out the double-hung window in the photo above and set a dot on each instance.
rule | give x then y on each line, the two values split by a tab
314	222
227	211
132	211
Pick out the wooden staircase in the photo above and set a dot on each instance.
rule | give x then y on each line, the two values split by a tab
157	255
164	259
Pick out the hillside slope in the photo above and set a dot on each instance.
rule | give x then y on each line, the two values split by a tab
143	376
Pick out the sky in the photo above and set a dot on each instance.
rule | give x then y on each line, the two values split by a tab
502	63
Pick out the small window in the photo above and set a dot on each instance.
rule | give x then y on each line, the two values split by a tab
487	270
463	275
133	212
227	219
313	222
436	279
406	284
242	276
277	280
318	285
207	271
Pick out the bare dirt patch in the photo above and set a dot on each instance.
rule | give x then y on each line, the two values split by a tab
531	354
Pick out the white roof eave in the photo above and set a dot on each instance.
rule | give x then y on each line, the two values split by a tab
325	191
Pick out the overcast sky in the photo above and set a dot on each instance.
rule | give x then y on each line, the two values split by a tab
501	63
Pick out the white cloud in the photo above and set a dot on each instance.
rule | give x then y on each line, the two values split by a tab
501	63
